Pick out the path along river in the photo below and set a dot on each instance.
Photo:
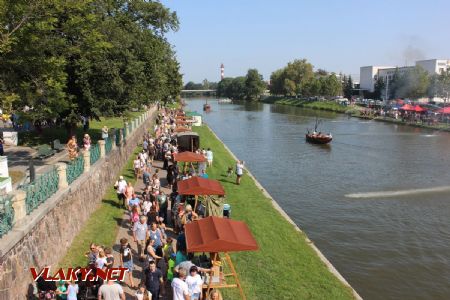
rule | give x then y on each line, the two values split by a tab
376	201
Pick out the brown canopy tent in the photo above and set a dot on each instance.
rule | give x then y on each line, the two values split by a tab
199	186
188	156
214	235
181	129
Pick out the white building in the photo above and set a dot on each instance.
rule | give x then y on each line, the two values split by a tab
370	74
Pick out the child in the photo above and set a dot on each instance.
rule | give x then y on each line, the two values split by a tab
109	258
134	215
170	266
61	291
72	290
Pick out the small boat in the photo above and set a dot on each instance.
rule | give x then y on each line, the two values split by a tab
226	100
206	106
319	138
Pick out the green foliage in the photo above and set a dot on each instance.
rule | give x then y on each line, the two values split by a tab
347	88
379	88
413	83
254	85
298	79
84	57
439	85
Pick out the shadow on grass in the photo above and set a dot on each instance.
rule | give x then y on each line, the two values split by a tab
111	202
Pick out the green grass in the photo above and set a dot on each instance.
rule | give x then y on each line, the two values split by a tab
33	138
320	105
102	226
285	267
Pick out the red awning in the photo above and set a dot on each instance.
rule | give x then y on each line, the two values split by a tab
419	108
200	186
181	129
215	234
407	107
445	110
188	156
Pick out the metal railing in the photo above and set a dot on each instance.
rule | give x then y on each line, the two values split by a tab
108	145
74	169
6	214
41	189
95	153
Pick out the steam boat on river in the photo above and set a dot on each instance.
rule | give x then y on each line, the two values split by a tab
318	138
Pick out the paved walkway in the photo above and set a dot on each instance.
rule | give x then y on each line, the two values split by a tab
125	232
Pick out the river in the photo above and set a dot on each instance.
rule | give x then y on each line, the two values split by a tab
359	198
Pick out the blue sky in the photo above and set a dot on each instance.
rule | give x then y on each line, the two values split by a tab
339	36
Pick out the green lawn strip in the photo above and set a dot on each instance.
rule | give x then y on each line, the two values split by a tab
320	105
285	267
102	226
48	135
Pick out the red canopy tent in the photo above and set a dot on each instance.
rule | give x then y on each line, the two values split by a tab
181	129
188	156
445	110
200	186
419	108
214	234
407	107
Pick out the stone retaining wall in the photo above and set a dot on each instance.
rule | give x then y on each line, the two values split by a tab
41	238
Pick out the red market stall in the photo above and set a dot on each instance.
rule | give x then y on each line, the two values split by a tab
407	107
188	156
445	110
181	129
198	186
220	235
419	108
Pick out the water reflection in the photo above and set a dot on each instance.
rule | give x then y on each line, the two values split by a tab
387	248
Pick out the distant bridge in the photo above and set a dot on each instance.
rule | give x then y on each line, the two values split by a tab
198	91
206	93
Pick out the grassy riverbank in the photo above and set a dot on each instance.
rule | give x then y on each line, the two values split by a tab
285	267
102	226
31	138
320	105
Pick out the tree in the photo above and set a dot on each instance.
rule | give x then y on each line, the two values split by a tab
223	87
348	87
276	82
237	90
331	85
379	88
297	75
86	57
254	84
205	84
193	86
439	85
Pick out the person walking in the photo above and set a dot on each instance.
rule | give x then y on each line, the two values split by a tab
72	148
121	187
126	259
194	282
140	235
105	132
110	290
153	280
239	171
209	157
179	287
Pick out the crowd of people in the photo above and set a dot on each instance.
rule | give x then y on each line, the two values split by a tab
152	209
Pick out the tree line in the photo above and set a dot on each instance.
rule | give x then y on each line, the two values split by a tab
414	83
63	59
296	79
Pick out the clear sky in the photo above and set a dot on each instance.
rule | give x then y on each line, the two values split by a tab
336	35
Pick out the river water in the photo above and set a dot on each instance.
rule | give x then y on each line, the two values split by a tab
387	245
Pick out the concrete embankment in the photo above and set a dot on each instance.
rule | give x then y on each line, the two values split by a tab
317	277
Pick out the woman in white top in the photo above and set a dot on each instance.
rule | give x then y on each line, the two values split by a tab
101	260
146	206
194	282
239	171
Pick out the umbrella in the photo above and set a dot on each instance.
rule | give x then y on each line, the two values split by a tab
407	107
418	108
445	110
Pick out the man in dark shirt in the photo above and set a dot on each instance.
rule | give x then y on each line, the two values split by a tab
153	280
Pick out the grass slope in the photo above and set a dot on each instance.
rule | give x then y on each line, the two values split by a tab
320	105
285	267
31	138
102	226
